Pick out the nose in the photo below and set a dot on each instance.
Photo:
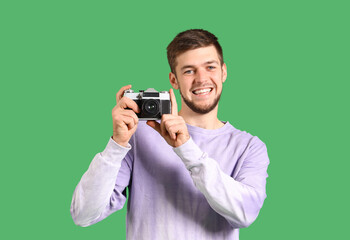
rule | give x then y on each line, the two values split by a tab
201	75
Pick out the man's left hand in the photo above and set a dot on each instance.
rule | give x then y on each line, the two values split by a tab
172	127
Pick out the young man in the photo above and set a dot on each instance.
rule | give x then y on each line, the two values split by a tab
191	176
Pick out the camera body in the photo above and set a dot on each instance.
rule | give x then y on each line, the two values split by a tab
153	104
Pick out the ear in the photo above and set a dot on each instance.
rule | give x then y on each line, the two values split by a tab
173	82
224	72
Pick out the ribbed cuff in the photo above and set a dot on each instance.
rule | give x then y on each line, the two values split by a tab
190	153
114	152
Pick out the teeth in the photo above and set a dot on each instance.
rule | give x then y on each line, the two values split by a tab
202	91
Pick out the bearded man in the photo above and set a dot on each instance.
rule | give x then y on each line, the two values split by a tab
189	176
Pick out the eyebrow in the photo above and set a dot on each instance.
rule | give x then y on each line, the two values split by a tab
211	62
206	63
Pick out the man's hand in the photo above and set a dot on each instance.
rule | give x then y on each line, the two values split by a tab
124	117
172	127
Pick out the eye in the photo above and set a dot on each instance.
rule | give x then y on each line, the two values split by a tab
211	67
188	72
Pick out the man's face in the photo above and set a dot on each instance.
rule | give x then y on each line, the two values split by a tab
199	77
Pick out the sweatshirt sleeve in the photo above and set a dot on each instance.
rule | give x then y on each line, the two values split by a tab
101	190
239	197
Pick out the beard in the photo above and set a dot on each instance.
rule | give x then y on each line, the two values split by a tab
200	109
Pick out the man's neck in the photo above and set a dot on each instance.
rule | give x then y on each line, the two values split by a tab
206	121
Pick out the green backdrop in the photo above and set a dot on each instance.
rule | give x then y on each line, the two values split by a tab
61	63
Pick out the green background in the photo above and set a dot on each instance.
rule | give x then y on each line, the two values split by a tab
61	63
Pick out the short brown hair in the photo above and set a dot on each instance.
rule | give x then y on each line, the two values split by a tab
189	40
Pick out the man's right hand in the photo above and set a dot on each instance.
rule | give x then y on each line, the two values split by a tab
124	117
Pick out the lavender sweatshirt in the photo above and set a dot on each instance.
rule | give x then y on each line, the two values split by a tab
207	188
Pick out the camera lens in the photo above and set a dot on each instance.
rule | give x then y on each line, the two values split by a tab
151	107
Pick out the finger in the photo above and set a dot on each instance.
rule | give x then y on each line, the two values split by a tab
128	121
173	102
163	130
153	124
173	131
120	93
130	113
173	127
167	123
170	119
126	102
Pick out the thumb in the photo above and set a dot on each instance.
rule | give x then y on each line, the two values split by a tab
153	124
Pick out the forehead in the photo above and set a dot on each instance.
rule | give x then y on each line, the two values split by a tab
197	56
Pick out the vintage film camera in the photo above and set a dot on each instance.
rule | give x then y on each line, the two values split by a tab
153	104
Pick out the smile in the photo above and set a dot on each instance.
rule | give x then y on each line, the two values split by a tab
202	91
